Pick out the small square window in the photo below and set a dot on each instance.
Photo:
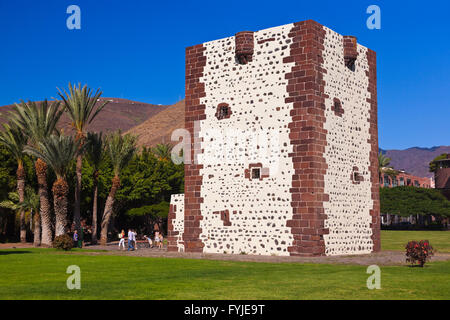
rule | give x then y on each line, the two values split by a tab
223	112
256	173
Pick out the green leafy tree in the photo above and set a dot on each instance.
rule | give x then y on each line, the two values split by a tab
432	165
81	106
121	150
57	152
148	216
30	203
95	152
38	122
407	200
14	140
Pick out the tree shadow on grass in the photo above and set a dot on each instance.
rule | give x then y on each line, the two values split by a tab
6	252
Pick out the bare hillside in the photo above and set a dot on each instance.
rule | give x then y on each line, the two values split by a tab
159	128
120	114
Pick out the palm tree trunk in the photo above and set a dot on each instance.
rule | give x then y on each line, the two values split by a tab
37	230
60	191
94	209
45	210
21	192
77	209
108	210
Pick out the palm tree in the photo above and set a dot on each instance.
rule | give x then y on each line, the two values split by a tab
14	140
163	151
383	161
384	168
121	150
80	106
95	151
58	152
38	123
29	203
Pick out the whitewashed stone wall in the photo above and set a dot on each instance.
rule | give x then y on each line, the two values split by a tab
349	205
177	200
256	93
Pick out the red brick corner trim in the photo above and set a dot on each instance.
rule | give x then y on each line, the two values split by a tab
194	111
308	137
373	167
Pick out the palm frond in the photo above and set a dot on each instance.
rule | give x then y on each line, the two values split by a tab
163	151
14	140
57	152
121	150
7	204
37	122
383	161
80	103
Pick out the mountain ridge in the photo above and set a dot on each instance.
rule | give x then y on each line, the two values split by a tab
154	124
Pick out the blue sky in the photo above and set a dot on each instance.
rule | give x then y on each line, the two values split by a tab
135	49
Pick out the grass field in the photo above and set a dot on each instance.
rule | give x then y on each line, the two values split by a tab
41	274
396	240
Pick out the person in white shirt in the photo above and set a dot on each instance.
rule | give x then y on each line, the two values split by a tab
134	240
130	239
122	240
157	239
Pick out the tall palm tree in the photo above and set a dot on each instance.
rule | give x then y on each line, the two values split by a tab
30	202
58	152
163	151
38	123
14	140
80	104
121	150
95	151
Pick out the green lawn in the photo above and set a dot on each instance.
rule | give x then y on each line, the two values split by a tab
396	240
41	274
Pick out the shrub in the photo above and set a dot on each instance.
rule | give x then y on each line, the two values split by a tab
63	242
419	252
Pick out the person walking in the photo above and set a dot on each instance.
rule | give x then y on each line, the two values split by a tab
134	239
130	240
75	239
122	239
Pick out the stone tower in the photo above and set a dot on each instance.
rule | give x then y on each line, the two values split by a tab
284	145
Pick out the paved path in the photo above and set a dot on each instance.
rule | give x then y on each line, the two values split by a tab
380	258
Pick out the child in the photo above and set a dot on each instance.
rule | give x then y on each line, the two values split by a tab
150	243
